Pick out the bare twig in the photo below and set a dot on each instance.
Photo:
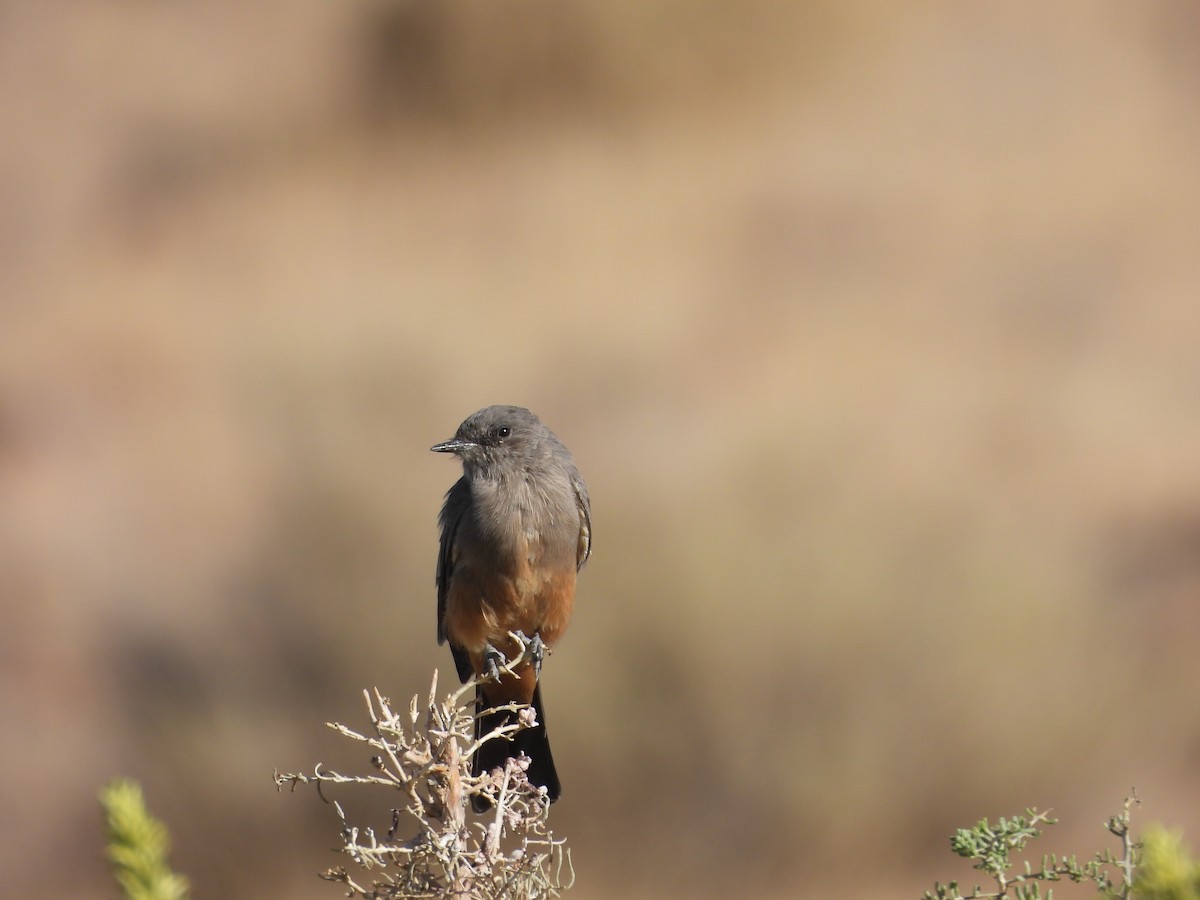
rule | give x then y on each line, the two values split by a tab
510	853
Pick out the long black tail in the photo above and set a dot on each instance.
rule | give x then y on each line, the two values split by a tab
533	742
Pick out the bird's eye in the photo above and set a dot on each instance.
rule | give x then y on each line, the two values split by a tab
503	431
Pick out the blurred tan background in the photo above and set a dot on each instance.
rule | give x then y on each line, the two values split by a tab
873	327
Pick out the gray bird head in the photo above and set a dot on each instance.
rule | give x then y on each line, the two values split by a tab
496	435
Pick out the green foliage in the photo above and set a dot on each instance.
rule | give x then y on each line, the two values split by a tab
138	845
1167	871
993	846
1157	868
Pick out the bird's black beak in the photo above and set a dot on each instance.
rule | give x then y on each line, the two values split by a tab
454	445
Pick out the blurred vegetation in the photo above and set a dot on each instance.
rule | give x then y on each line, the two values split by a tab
138	845
1168	871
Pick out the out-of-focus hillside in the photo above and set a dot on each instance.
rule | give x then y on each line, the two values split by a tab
874	329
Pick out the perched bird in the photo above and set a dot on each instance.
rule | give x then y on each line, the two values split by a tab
515	530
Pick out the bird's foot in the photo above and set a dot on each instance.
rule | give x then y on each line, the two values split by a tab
493	661
533	649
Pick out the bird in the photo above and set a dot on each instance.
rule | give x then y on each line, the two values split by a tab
515	530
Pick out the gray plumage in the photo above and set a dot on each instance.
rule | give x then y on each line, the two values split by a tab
515	529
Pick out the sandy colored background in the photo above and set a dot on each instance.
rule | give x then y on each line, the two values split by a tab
874	328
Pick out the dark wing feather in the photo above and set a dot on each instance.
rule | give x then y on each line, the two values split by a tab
458	500
584	504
